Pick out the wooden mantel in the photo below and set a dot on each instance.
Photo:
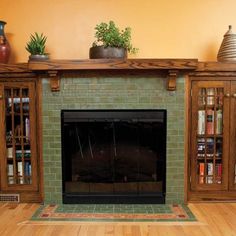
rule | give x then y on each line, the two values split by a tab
171	66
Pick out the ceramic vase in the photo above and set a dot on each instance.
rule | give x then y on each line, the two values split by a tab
5	49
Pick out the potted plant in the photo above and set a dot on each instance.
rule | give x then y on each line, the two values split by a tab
111	42
36	47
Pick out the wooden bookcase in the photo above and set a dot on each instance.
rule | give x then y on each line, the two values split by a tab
19	152
212	139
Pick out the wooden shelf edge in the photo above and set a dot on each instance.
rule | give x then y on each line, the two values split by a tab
114	64
214	66
14	68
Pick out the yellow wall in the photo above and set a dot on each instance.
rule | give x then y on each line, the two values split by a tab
160	28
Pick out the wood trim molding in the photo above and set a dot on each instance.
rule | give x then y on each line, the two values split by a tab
171	66
114	64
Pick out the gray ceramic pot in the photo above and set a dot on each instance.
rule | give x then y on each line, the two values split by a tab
107	52
38	57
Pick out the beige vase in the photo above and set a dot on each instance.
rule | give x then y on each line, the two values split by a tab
227	51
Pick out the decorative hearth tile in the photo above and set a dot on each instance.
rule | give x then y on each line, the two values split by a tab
114	213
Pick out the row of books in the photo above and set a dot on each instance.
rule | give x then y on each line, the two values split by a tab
209	147
18	153
208	96
206	122
207	173
27	169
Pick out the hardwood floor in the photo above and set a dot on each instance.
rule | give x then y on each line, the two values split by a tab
214	219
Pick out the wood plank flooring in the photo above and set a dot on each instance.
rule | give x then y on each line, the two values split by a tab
218	219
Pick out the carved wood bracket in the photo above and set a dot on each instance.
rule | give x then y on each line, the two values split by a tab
54	80
171	80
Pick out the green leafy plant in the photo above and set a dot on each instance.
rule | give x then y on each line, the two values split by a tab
109	35
36	44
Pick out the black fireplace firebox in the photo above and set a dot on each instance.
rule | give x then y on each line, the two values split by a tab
113	156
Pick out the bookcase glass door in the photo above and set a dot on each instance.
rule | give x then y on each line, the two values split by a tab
232	164
18	154
209	125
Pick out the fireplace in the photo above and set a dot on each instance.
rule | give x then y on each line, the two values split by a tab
113	156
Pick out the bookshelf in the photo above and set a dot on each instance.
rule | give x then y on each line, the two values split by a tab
212	139
19	164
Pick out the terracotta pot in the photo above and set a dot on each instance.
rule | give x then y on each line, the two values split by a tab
107	52
5	48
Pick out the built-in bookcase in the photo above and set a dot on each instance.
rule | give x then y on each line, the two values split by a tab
18	146
213	136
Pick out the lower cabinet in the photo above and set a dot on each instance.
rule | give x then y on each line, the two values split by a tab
212	139
19	162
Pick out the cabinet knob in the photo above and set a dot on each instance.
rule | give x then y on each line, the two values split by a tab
1	96
234	95
227	95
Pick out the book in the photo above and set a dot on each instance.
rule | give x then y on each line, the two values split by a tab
210	96
201	122
219	122
26	168
218	171
201	148
201	172
19	168
210	173
210	147
210	122
10	170
27	129
10	152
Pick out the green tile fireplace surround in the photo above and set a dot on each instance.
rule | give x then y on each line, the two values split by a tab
128	91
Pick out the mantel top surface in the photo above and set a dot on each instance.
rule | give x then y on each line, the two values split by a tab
114	64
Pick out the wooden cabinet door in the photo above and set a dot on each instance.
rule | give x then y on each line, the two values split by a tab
18	155
209	135
232	137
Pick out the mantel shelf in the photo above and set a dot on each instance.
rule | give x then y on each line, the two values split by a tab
172	66
115	64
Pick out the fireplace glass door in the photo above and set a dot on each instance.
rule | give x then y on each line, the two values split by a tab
113	154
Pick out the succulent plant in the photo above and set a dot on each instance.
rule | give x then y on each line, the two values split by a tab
36	44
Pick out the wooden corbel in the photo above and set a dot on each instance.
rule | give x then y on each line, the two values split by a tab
171	80
54	80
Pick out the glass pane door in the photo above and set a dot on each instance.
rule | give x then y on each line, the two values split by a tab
209	126
17	130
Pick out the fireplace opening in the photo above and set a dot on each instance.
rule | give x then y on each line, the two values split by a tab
113	156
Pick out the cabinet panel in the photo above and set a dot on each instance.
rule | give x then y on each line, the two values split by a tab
209	130
232	163
18	139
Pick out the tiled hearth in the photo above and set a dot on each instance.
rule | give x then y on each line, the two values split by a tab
110	91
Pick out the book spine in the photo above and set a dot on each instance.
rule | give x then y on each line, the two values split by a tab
210	147
10	152
210	96
219	122
19	168
210	173
218	173
210	122
26	168
201	172
201	122
27	129
10	171
201	148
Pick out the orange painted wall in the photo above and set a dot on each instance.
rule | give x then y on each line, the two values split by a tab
160	28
